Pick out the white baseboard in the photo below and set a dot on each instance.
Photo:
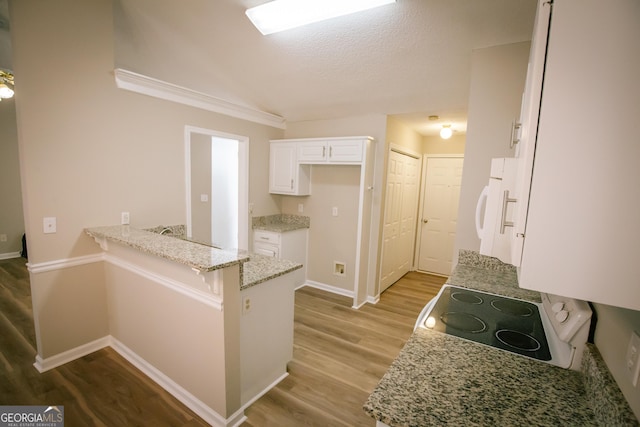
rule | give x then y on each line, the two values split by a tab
263	392
177	391
373	300
10	255
43	365
328	288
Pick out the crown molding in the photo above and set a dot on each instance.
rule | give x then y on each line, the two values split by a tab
145	85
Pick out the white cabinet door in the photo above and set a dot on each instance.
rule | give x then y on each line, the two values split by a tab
286	176
498	219
346	151
312	152
582	230
331	151
529	128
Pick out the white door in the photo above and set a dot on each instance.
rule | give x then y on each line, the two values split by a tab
401	208
439	214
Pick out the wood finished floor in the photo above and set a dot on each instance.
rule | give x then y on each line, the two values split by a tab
339	356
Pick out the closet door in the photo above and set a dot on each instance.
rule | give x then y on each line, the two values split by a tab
401	208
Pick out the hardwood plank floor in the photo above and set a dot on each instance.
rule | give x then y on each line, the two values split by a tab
101	389
339	356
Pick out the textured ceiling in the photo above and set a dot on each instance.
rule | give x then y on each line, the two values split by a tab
410	59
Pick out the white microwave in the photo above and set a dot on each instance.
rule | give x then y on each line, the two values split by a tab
496	209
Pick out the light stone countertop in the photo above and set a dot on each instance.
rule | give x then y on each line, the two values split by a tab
439	379
280	223
204	258
255	268
261	268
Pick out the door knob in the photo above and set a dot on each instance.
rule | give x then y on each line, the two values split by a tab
425	221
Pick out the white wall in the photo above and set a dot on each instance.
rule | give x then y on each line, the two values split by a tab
497	83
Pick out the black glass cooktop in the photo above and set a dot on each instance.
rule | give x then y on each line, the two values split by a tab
505	323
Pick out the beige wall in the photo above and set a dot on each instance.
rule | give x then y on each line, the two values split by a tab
371	125
200	184
497	83
90	151
400	134
612	336
11	216
330	238
437	145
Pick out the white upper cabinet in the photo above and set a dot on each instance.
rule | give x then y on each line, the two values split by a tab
582	227
291	159
528	124
286	176
321	151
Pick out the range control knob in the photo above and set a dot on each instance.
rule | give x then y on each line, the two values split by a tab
562	316
557	307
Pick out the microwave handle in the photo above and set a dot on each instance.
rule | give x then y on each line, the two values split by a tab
482	200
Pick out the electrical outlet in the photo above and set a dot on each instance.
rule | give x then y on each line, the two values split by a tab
300	208
334	211
246	305
339	268
633	358
124	218
49	225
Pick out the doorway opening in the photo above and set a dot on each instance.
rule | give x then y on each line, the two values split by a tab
217	188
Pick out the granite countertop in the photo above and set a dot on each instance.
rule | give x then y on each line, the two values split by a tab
255	268
261	268
280	223
439	379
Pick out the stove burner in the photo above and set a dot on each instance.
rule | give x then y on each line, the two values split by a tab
518	340
513	307
467	297
463	322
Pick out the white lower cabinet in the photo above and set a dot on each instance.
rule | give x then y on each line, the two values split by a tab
291	245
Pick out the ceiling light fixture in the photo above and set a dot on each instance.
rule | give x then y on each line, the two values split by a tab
281	15
446	132
6	84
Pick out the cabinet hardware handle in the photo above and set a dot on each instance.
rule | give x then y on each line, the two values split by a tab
324	152
330	150
292	184
514	128
505	200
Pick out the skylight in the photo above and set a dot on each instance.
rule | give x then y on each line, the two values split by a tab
281	15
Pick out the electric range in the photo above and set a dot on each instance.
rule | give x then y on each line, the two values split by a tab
553	331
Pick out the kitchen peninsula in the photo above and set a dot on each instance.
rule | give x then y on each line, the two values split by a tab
214	327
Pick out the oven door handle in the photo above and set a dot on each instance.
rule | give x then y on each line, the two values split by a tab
427	308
